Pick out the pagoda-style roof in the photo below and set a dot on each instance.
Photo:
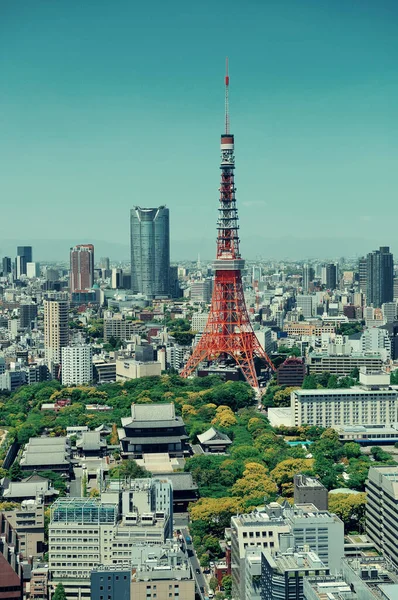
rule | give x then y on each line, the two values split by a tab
213	437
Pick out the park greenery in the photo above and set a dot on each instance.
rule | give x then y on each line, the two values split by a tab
278	395
261	462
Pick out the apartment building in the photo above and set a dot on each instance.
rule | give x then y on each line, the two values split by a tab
382	510
353	406
77	365
28	522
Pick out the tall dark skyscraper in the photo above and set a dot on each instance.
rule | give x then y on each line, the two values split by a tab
380	277
150	251
6	266
24	256
331	276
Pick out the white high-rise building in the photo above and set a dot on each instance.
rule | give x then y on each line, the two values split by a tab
56	328
77	365
32	270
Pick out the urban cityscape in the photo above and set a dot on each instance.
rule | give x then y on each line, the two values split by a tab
200	428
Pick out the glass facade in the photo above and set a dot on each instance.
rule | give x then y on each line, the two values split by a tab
150	251
380	277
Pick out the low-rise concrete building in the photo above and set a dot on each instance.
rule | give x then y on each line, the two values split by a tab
28	522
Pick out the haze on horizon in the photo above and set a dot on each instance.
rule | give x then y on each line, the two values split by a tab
108	105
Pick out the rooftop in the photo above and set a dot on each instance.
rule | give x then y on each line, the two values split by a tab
153	412
344	392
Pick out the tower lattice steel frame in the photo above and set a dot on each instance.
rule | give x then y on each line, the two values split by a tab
228	330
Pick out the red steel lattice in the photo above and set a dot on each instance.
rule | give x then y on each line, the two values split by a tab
228	330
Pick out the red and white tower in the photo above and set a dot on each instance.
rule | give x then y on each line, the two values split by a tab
228	330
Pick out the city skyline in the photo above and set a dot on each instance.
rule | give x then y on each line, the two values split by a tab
320	106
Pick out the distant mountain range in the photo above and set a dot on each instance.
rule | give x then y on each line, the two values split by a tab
254	248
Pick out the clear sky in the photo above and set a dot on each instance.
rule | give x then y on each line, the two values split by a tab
105	104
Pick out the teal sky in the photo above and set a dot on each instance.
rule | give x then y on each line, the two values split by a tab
105	104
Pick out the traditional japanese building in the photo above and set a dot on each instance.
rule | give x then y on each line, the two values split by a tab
153	428
214	441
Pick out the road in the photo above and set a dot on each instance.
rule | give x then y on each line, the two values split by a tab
200	580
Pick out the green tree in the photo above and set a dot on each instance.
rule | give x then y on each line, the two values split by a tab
309	382
59	593
226	582
129	469
213	583
15	472
352	450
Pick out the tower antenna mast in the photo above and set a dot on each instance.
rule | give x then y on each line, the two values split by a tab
226	97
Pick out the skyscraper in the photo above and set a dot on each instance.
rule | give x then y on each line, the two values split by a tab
362	272
24	256
331	276
308	276
81	267
150	251
6	266
380	276
56	329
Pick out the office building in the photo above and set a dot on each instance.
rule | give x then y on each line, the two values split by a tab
81	267
308	277
199	320
343	364
27	315
130	368
390	310
304	305
117	279
380	275
363	274
56	328
104	263
331	276
370	403
201	291
110	581
24	256
291	372
332	587
78	534
164	575
6	266
309	490
370	577
258	530
150	251
32	270
175	290
77	365
382	510
320	530
395	288
282	575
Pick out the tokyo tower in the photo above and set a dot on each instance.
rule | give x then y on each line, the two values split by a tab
228	331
